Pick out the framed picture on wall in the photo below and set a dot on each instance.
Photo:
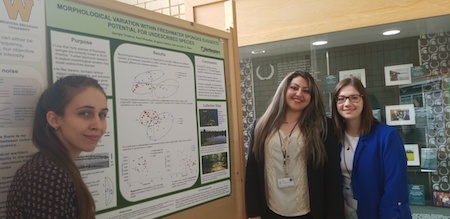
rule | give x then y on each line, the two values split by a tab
397	74
412	153
358	73
428	159
400	114
441	199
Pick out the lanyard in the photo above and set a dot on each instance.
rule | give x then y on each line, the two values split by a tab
285	149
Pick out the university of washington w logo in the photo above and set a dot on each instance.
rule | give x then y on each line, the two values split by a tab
16	7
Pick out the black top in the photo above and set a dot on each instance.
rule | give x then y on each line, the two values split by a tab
40	189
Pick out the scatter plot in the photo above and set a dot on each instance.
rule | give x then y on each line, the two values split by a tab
158	125
147	83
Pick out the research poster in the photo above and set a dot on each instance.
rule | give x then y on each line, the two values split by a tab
166	147
23	74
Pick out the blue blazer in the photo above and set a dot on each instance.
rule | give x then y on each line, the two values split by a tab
379	176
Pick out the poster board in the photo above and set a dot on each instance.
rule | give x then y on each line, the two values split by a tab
165	79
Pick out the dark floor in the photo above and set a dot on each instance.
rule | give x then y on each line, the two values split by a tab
430	212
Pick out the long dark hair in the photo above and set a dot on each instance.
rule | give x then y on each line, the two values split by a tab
55	98
367	121
312	122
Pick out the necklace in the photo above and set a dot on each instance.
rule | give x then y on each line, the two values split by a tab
345	163
284	150
347	142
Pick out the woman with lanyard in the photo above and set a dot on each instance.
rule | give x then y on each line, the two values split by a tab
374	164
293	165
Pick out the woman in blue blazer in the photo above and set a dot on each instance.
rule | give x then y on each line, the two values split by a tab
373	158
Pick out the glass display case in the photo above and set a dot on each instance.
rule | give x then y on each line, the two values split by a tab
405	75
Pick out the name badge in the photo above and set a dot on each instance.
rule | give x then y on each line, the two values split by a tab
285	182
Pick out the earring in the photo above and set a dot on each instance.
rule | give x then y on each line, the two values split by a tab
56	128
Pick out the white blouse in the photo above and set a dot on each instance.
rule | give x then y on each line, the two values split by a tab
290	200
347	155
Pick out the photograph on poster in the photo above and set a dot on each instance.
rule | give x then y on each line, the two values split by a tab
358	73
412	153
428	159
397	74
400	114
